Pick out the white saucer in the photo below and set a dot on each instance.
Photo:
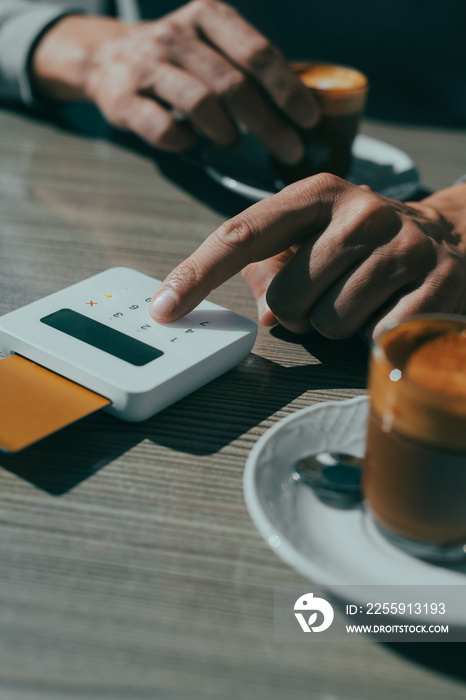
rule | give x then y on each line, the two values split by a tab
330	547
244	169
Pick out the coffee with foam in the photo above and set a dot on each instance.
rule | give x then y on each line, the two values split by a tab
427	401
340	92
415	465
440	365
322	76
338	89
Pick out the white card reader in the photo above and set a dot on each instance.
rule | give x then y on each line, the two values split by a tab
98	333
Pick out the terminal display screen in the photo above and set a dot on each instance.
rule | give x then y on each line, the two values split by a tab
102	337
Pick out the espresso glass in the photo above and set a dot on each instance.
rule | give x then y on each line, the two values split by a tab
415	463
340	92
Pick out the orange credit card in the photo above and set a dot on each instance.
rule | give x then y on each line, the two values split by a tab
36	402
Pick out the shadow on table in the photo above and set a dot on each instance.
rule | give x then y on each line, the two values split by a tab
246	161
200	424
246	164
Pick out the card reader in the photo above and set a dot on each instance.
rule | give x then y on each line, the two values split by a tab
98	334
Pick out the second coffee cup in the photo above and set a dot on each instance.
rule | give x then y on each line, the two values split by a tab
341	93
415	463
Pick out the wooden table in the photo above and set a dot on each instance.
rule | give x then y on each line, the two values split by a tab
129	565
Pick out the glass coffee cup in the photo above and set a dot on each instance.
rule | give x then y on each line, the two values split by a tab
415	463
340	92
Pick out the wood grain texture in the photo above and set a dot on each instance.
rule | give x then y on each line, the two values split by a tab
129	566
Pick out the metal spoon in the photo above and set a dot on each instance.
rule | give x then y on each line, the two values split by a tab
334	476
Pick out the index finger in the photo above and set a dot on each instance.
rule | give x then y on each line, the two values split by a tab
251	51
265	229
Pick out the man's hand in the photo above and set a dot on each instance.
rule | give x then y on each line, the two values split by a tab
203	62
326	254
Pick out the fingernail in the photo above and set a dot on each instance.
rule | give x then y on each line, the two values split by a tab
163	304
266	316
291	150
